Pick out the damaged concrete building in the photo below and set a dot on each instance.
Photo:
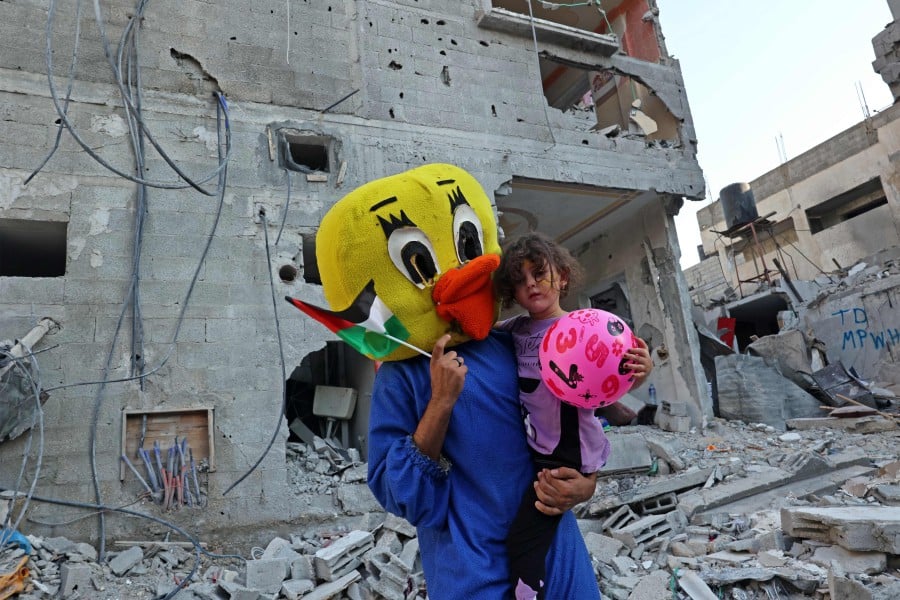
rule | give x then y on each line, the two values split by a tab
162	189
199	146
801	266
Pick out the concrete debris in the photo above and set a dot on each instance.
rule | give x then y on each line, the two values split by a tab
744	511
751	389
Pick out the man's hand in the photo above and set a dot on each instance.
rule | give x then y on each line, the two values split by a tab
558	490
448	374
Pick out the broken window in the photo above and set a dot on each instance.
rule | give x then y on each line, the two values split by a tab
310	264
32	248
614	300
843	207
304	153
328	396
619	103
604	26
323	367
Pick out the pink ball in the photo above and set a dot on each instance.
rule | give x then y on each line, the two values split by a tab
583	358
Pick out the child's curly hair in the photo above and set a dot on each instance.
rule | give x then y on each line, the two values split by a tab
543	252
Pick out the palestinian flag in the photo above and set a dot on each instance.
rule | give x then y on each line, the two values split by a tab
368	325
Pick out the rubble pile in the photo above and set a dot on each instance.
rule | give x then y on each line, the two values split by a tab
736	511
357	564
749	512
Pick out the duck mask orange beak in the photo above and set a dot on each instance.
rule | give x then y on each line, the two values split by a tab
465	296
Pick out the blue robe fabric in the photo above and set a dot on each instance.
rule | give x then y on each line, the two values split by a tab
463	514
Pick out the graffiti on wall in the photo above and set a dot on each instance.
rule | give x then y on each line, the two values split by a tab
857	335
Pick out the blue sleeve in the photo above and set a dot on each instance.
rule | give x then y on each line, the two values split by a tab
405	481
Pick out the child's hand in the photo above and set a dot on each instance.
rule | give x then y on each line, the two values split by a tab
639	362
558	490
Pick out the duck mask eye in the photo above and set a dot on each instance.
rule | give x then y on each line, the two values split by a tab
467	233
411	252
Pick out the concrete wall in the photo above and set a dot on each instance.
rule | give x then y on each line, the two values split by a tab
276	70
639	256
862	329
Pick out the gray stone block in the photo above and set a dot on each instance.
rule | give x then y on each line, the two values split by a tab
400	525
266	575
124	561
601	547
238	592
302	568
74	581
294	589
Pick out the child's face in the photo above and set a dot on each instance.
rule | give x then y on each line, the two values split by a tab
538	291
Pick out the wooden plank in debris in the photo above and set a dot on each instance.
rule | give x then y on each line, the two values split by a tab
152	544
873	424
846	412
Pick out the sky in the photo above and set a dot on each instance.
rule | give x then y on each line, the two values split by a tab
766	73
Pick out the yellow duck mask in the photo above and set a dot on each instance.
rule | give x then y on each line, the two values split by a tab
411	255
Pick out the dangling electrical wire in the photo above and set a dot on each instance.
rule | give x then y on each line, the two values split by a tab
71	80
223	106
135	87
538	56
37	419
280	352
64	118
287	202
104	381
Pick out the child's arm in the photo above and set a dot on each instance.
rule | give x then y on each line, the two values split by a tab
639	362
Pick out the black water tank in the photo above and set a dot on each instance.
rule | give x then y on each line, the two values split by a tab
738	204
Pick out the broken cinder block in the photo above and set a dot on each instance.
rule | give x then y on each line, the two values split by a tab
645	530
342	556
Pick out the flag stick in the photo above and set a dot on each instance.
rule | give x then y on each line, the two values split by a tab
399	341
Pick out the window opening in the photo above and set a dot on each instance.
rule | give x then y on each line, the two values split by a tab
32	248
848	205
305	153
310	263
614	300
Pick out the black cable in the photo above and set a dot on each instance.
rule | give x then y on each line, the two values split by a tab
325	110
184	305
287	202
71	80
198	549
132	106
130	37
117	76
262	215
39	419
127	100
